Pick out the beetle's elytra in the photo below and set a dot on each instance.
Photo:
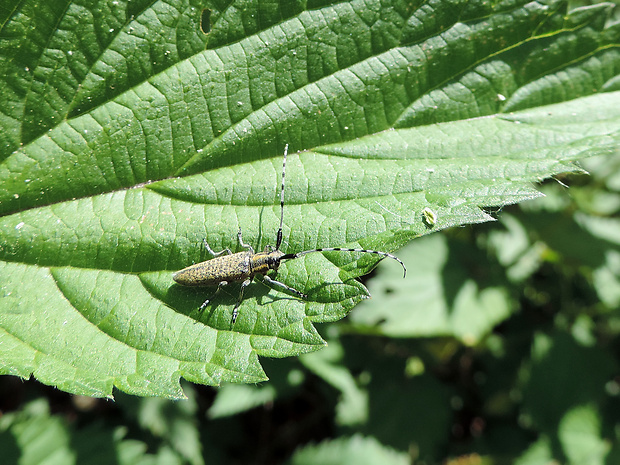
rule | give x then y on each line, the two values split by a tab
234	267
227	267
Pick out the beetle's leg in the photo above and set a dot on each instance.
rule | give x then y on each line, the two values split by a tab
216	254
245	246
278	284
244	284
206	302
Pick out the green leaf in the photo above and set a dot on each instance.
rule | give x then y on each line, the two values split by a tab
539	453
174	423
235	398
38	436
34	435
353	450
129	135
352	407
580	434
439	297
555	360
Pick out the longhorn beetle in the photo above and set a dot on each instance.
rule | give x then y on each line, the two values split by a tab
244	266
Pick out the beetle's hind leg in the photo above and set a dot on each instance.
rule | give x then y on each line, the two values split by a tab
235	312
219	287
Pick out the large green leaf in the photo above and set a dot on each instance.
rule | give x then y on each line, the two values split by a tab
129	136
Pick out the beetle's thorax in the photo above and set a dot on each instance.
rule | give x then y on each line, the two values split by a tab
262	262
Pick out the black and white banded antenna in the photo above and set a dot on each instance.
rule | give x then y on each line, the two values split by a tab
291	256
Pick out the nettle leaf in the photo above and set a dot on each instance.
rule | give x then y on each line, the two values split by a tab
131	131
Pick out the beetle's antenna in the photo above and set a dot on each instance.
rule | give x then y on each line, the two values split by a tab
290	256
279	234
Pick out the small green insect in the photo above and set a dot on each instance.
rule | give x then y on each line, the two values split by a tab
245	266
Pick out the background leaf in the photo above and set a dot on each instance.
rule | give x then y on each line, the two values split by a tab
352	450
